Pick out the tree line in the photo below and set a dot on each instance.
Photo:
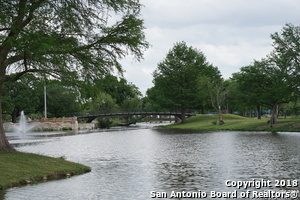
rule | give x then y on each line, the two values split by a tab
184	79
67	98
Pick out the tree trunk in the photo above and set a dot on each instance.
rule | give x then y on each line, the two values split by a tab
258	112
4	144
221	122
274	115
202	110
14	116
183	119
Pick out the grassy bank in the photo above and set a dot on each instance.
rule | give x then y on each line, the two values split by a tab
238	123
23	168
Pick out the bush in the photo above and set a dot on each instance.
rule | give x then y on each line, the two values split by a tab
105	123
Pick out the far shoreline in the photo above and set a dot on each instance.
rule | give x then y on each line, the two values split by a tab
205	122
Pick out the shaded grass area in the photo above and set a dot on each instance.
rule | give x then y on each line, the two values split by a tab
238	123
23	168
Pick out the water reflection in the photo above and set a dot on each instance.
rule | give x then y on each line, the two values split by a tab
129	163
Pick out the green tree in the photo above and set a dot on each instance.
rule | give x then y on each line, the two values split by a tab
292	108
236	99
154	100
175	79
212	88
265	83
274	80
18	96
61	100
66	39
117	87
251	83
133	104
102	102
286	53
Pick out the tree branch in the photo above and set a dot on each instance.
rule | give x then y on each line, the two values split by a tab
18	24
16	76
4	29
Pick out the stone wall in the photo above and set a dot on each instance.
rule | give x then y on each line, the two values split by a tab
87	126
55	124
71	120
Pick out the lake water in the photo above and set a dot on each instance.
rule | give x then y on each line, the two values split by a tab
141	162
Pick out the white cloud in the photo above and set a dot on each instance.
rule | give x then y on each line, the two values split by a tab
231	33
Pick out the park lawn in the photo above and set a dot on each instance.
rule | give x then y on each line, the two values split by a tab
18	168
238	123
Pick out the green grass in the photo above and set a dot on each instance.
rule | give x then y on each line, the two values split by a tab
22	168
238	123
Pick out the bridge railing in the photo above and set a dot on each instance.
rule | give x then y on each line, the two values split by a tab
130	110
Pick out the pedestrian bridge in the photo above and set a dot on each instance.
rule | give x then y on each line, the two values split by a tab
90	116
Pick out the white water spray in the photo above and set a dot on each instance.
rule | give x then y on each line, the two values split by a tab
23	127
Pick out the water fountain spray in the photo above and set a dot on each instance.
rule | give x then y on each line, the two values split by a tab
23	127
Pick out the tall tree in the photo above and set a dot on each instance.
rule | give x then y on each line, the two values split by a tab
175	79
265	83
18	96
236	99
287	45
118	87
251	83
66	39
286	54
61	100
213	87
103	102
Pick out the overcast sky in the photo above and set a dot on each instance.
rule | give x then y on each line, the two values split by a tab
231	33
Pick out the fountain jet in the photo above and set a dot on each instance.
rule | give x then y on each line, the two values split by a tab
23	127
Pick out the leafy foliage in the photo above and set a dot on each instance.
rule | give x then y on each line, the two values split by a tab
19	96
118	88
65	38
286	54
274	81
61	100
176	77
103	101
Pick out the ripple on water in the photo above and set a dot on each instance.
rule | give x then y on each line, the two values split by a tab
129	163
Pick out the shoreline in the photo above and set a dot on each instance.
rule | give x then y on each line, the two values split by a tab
238	123
19	169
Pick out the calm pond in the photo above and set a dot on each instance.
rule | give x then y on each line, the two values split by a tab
146	162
